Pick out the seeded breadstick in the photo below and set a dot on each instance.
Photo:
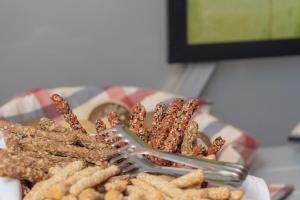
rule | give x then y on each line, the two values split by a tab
64	108
157	120
218	193
100	125
90	194
137	120
216	146
174	139
166	124
113	195
57	148
195	177
114	118
93	180
50	125
17	128
199	151
118	185
190	136
38	193
236	195
168	188
59	190
152	192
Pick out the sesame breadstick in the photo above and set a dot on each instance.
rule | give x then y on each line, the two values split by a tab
50	125
219	193
136	193
114	118
152	192
64	108
216	146
174	139
190	136
137	120
157	120
100	125
118	185
93	180
195	177
38	193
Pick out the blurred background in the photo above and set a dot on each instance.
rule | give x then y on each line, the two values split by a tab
111	42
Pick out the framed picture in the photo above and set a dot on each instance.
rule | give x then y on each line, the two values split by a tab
211	30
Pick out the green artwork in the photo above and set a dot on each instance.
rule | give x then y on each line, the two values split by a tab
223	21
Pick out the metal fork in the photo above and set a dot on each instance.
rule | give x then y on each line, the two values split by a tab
132	147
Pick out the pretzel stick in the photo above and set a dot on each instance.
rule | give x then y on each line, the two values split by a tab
59	190
181	122
166	187
38	193
152	192
190	136
93	180
195	177
90	194
113	195
64	108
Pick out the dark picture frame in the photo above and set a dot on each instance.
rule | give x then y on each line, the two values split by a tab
179	51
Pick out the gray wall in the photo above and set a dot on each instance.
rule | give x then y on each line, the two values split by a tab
75	42
92	42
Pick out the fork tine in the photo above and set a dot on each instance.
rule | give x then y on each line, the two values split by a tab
118	158
121	141
113	136
130	168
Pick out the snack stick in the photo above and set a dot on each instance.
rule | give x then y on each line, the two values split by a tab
38	193
174	139
195	177
100	125
236	195
59	190
169	188
113	195
17	128
216	146
152	192
157	120
114	118
218	193
90	194
50	125
189	138
93	180
166	124
118	185
137	119
64	108
199	151
136	193
69	197
197	193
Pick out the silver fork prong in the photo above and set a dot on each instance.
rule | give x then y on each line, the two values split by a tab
130	168
118	158
121	141
113	136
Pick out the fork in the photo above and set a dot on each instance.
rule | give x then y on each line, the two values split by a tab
129	148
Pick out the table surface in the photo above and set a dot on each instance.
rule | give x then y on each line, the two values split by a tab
279	165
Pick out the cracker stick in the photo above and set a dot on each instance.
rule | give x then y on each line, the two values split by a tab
168	188
118	185
174	139
216	146
152	192
59	190
50	125
95	179
38	193
113	195
236	195
64	108
137	120
195	177
90	194
218	193
189	138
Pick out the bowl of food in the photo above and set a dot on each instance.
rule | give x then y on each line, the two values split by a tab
66	159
